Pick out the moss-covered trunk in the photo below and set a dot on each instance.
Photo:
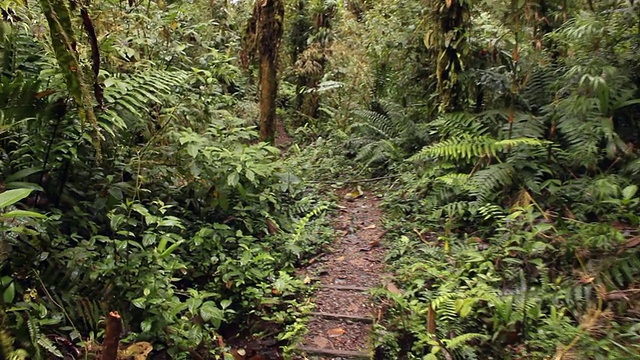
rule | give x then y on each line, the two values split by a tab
270	17
64	45
268	92
447	37
316	54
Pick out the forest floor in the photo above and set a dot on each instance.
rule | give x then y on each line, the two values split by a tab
341	322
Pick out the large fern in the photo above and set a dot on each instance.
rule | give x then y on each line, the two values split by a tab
383	136
129	98
471	147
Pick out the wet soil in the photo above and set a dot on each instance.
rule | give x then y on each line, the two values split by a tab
282	140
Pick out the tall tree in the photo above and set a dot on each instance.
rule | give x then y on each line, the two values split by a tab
311	64
447	37
263	36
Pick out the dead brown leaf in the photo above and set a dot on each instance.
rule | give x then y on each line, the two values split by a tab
587	279
137	351
335	332
632	242
393	288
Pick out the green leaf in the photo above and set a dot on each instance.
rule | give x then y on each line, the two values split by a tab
210	312
149	239
139	302
629	191
9	292
22	214
195	335
116	220
22	174
170	221
11	197
23	185
225	303
233	179
193	304
171	249
250	175
192	149
146	325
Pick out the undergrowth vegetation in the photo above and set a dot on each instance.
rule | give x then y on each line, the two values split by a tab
514	222
164	207
504	135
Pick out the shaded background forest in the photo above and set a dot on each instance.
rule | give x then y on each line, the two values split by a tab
134	178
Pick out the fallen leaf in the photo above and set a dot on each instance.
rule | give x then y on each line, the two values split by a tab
137	351
236	354
354	194
341	258
321	342
336	332
587	279
372	226
393	288
633	242
306	280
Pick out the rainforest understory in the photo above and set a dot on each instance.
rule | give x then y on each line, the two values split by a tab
320	179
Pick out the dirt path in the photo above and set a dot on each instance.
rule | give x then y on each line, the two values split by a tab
340	327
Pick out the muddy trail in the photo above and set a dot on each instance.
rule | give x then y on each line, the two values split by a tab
341	323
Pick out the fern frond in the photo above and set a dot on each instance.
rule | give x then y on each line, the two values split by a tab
492	211
48	345
442	299
456	180
537	90
487	181
469	148
525	126
458	124
461	340
126	95
633	167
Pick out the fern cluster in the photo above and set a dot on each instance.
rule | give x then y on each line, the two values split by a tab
522	208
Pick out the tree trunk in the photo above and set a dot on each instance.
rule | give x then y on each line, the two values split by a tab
270	17
268	92
64	46
112	337
447	40
322	22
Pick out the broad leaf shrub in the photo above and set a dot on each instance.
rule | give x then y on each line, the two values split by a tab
213	249
187	225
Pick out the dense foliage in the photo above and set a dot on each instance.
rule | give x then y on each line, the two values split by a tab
505	134
514	224
164	207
